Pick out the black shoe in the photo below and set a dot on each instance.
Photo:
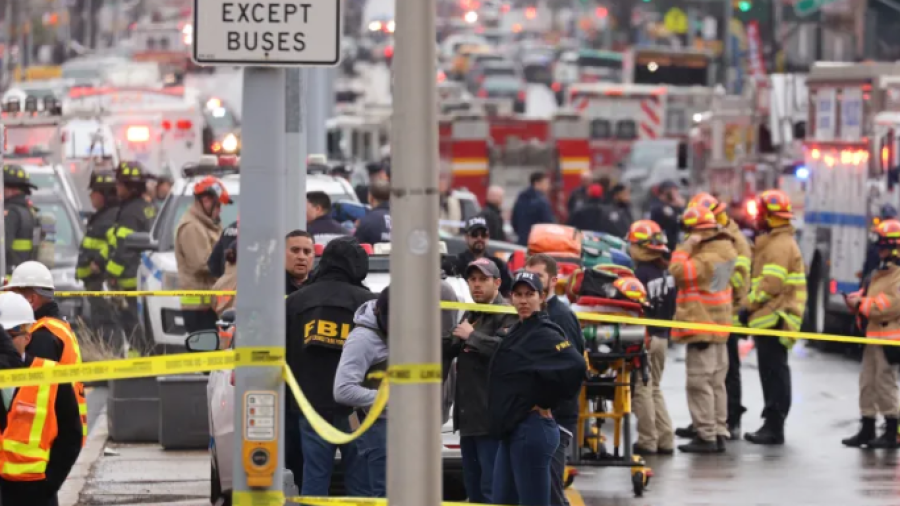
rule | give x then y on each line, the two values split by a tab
640	450
771	433
735	430
865	435
698	445
688	432
720	444
888	440
665	451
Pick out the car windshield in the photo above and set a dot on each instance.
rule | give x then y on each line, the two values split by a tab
82	72
502	83
221	119
499	71
44	180
40	137
646	154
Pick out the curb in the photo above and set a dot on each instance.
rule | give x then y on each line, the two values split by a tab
70	493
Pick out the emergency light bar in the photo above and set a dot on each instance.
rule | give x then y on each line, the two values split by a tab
48	106
212	165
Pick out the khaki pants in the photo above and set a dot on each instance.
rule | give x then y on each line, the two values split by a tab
878	392
653	422
707	366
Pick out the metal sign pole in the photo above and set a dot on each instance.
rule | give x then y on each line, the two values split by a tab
414	416
295	150
316	95
260	308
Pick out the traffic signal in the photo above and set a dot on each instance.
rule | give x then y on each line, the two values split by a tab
745	5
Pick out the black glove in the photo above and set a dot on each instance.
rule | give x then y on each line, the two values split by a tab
744	316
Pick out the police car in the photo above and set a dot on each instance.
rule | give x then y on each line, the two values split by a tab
220	398
161	316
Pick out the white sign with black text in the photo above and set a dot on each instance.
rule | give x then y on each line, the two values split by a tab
267	32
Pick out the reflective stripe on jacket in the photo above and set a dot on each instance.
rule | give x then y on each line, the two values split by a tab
135	215
195	237
703	278
778	281
71	355
881	304
95	247
31	428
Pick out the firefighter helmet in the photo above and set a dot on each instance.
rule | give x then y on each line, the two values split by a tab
214	187
698	218
888	233
775	203
17	177
648	234
131	172
102	180
631	289
706	200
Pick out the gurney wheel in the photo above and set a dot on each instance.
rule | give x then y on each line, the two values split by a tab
637	482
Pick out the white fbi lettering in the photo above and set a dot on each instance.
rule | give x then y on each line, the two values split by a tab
250	13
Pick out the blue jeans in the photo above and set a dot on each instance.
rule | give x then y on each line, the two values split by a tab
373	452
478	455
318	461
558	470
522	469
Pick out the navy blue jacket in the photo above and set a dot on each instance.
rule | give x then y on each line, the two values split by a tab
216	261
567	412
534	365
661	293
532	208
375	227
324	229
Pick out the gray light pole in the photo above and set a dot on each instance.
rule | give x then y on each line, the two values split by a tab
295	149
260	307
414	415
317	92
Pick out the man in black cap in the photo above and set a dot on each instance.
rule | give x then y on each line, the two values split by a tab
94	250
666	211
19	215
377	172
477	236
319	222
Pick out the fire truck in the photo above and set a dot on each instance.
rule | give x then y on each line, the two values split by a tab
160	128
851	160
620	114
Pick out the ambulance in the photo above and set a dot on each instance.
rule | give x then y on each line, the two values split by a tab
160	128
851	164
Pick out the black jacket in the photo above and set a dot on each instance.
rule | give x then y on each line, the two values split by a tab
566	414
533	366
661	293
135	215
590	215
666	216
494	218
45	344
95	246
324	229
616	219
20	223
290	284
467	257
577	199
216	262
375	227
319	317
63	454
473	357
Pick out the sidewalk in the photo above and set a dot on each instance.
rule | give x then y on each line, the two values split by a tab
108	473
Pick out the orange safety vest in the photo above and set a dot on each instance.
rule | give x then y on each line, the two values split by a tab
71	355
31	428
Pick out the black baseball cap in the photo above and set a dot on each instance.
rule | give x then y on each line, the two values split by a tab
529	278
486	267
476	223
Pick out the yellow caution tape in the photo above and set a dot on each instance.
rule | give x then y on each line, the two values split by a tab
258	498
324	429
126	368
407	374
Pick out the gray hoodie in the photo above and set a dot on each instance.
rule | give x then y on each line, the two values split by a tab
362	349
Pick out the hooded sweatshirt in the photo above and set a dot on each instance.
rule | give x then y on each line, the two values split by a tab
363	349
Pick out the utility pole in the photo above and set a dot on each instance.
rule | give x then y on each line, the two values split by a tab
414	415
317	92
260	308
295	149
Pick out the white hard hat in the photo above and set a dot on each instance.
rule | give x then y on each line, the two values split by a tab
31	274
15	310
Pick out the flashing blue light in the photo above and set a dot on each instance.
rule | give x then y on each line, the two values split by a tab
802	173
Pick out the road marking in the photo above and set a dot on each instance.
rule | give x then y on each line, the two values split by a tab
574	497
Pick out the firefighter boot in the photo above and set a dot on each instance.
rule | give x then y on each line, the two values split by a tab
697	445
720	444
888	440
771	433
688	432
865	435
735	430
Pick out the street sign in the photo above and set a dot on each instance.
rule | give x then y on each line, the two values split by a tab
807	7
267	32
676	21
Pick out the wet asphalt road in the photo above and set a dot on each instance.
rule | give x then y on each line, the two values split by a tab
811	468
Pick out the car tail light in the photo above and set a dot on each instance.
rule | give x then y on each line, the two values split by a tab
166	125
216	147
21	150
556	87
137	134
184	124
389	52
832	287
482	93
522	95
